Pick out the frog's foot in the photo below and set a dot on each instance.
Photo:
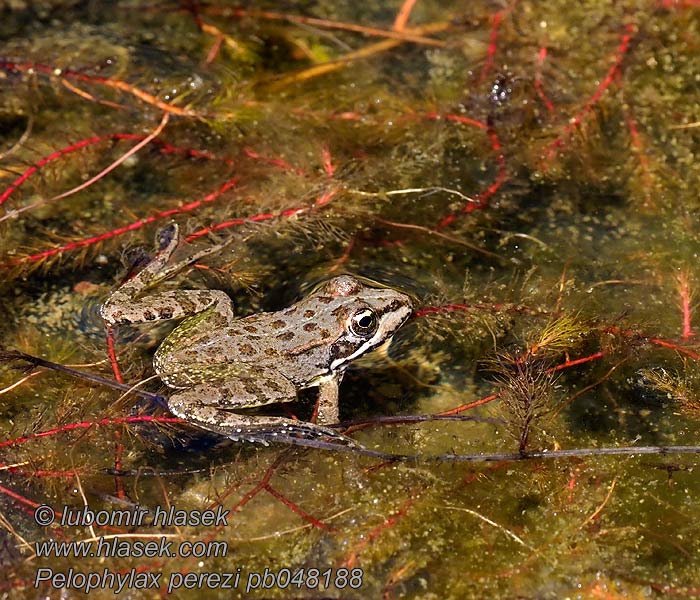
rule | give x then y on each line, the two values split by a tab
167	238
247	428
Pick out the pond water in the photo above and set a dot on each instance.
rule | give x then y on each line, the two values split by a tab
527	171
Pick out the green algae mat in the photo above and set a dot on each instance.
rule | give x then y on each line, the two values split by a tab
520	180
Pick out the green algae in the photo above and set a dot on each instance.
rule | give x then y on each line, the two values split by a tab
586	247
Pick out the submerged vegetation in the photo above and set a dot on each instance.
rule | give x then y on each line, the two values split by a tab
528	171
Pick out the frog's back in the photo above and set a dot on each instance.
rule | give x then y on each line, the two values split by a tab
195	353
314	338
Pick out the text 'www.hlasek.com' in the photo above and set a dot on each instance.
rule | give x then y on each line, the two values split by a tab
162	548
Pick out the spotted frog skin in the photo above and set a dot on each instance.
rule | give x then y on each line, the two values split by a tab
217	363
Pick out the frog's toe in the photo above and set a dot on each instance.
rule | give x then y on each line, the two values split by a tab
166	236
310	431
292	432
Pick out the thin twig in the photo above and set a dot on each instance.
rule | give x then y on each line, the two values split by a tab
405	35
402	16
508	532
598	510
364	52
23	138
20	382
147	140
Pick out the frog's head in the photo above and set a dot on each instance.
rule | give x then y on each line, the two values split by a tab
363	317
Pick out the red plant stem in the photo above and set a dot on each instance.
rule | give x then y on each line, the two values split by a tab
493	44
501	176
679	3
323	199
402	16
131	227
29	506
118	446
684	289
166	148
347	116
652	340
300	511
676	347
687	329
118	454
468	406
622	49
43	162
133	150
29	67
490	398
458	119
328	166
113	355
637	143
87	425
262	484
264	481
277	162
482	197
639	150
612	72
578	361
34	505
214	50
376	531
19	498
402	35
539	88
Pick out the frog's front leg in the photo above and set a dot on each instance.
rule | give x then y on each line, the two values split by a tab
328	410
209	406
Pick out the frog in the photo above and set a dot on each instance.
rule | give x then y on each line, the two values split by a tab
216	364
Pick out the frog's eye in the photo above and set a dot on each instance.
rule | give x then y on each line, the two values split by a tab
363	322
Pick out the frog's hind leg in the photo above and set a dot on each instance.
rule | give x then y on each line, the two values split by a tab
121	307
125	305
209	406
158	270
